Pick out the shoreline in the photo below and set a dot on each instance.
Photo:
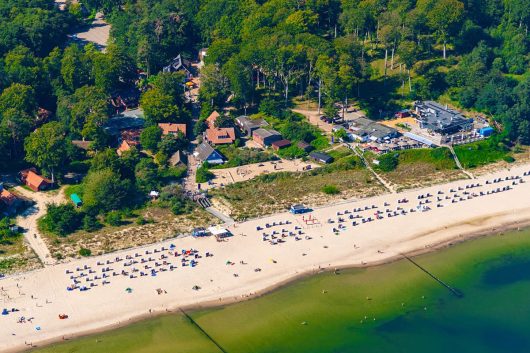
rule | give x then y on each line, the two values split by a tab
509	227
223	282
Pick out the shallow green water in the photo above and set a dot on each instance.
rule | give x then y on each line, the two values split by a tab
390	308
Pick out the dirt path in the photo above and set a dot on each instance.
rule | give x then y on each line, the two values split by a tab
28	221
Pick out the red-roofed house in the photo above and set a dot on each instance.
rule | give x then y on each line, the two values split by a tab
210	121
34	181
9	202
126	146
172	128
220	136
129	138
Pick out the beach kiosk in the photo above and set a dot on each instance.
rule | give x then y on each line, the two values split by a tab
219	232
76	200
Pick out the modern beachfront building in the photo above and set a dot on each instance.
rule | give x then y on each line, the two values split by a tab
441	119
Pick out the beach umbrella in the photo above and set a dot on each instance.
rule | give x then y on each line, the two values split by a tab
5	312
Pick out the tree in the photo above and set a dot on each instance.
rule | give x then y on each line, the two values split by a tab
105	191
46	147
146	173
408	53
20	98
74	68
85	113
151	137
106	159
60	220
171	143
444	17
159	106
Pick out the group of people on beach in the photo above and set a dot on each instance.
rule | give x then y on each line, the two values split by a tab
366	214
141	264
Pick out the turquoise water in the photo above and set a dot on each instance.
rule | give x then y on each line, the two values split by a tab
389	308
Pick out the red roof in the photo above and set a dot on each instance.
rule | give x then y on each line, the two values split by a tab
126	146
219	136
7	197
280	144
172	128
210	121
36	181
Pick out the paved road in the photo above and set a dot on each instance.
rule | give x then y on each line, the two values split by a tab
28	221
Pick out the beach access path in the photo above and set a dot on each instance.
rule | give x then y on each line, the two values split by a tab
28	220
261	255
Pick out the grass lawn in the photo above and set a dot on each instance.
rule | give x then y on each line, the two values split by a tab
480	153
276	192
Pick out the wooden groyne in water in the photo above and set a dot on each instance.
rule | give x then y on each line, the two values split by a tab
455	291
203	332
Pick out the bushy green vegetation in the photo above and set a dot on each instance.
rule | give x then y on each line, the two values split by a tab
241	156
438	158
480	153
387	162
7	235
293	127
203	175
330	190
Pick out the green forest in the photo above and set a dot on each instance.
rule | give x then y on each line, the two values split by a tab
381	54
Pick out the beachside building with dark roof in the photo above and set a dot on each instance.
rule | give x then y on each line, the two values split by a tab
265	137
206	153
363	129
441	119
248	125
321	157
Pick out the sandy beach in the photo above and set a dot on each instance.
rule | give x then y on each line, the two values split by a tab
262	254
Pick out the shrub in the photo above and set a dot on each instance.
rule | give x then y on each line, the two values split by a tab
509	159
90	223
60	220
330	190
85	252
388	162
203	175
113	218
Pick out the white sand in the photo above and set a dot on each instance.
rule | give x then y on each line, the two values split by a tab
377	241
